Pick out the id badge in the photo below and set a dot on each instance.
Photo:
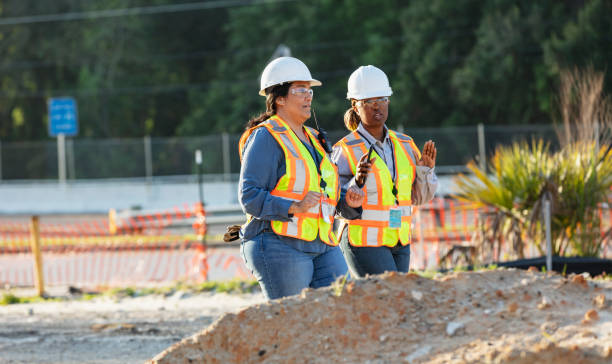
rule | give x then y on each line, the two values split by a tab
327	211
407	211
395	218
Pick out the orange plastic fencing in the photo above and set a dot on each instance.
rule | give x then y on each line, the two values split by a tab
134	248
146	248
444	223
135	222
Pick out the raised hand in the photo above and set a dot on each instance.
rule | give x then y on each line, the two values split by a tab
354	197
363	168
310	200
428	156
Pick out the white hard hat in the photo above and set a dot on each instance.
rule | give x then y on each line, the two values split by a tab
285	69
367	82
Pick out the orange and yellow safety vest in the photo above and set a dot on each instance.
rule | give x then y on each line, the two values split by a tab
301	176
372	229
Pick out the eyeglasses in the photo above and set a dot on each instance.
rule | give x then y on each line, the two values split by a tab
371	102
302	91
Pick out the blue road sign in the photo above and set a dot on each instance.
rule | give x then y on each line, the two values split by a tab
63	116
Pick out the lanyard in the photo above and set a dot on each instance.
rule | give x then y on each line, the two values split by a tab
394	176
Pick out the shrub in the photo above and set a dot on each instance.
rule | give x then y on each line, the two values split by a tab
576	179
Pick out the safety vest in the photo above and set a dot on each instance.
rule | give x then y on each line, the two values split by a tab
301	176
372	229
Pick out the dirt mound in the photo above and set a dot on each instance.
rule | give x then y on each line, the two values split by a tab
502	316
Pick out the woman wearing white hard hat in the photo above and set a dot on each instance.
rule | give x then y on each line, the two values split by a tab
393	173
289	189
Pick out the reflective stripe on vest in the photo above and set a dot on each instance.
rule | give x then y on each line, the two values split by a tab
373	227
301	176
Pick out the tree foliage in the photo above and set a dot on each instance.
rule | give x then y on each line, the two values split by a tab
197	72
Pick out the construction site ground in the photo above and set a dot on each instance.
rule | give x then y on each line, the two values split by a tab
503	316
107	329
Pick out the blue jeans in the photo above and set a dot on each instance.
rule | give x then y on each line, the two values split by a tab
282	270
374	260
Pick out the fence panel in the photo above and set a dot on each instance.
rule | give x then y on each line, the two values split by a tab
108	158
507	134
176	156
29	160
125	158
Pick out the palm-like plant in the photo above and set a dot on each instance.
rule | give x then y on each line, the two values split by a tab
585	175
513	191
576	180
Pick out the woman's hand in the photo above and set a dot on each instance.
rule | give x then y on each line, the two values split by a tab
309	201
428	157
354	197
363	168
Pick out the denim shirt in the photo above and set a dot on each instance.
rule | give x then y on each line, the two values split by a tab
263	164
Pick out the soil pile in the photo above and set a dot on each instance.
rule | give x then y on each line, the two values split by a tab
502	316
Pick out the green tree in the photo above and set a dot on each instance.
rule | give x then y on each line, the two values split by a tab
438	35
582	42
333	38
129	74
503	79
197	72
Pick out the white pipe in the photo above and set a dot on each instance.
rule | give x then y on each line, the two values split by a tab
546	213
481	147
61	158
148	158
226	156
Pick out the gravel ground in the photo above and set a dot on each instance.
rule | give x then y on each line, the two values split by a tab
108	330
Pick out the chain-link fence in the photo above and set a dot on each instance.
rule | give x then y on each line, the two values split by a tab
153	157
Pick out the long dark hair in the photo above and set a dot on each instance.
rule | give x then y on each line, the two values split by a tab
351	118
272	93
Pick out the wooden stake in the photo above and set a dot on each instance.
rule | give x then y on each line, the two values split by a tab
35	245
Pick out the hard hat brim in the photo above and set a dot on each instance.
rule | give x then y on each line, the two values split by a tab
369	95
312	82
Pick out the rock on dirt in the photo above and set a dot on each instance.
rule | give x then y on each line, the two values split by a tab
502	316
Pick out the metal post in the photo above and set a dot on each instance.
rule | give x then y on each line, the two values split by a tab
419	223
482	158
148	158
226	156
596	137
201	216
70	157
198	160
35	245
546	212
61	158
